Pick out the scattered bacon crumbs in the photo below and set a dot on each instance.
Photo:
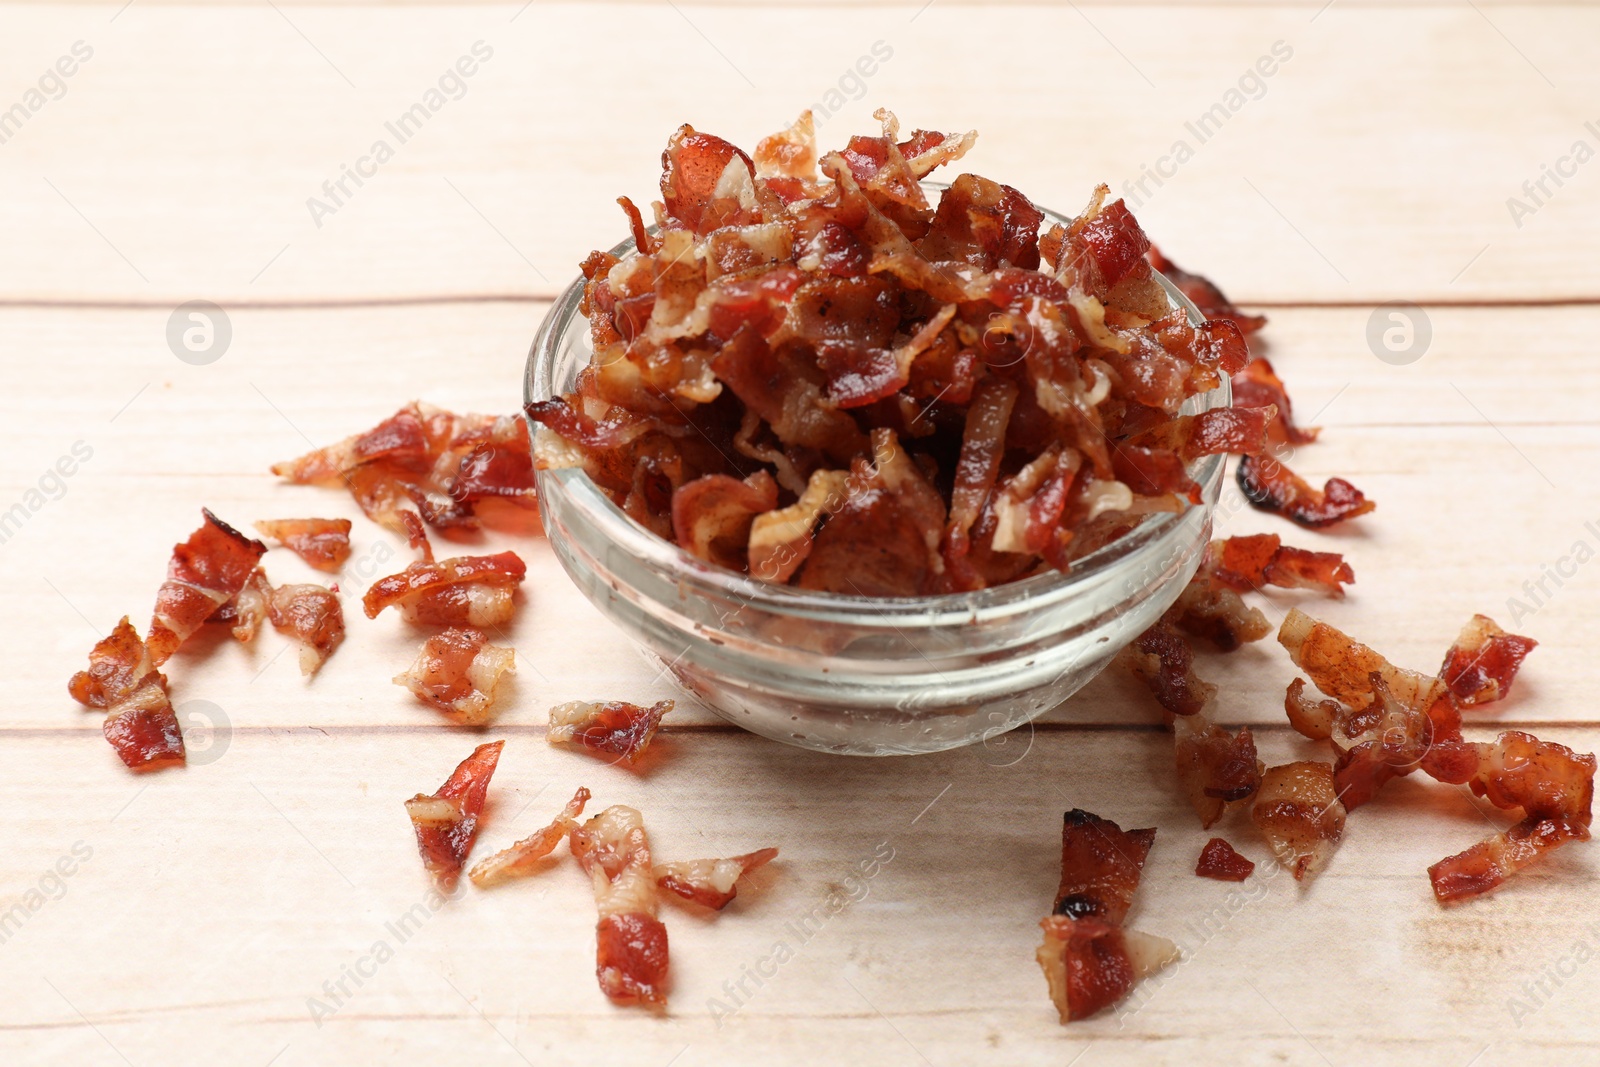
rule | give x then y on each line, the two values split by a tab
816	375
630	942
472	591
1271	486
457	671
522	858
1253	562
1204	294
322	543
711	883
1219	860
1299	814
140	723
1089	961
612	726
1481	665
1100	867
425	461
446	821
206	572
312	615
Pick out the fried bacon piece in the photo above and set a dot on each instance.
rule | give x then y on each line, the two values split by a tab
711	883
1252	562
446	821
1491	861
1342	668
1164	660
1100	867
1271	486
1299	813
815	375
1214	766
1258	385
1219	860
322	543
1209	607
1088	959
205	573
1481	665
312	615
630	942
461	591
612	726
424	460
523	858
457	671
248	609
140	723
1205	296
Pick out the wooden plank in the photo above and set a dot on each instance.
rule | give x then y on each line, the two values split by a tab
220	124
216	901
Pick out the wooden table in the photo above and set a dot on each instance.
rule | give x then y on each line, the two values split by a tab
211	910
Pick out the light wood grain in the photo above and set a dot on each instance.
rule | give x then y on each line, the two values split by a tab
217	899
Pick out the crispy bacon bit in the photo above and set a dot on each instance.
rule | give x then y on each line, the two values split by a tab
522	858
1219	860
248	608
1300	815
424	460
457	671
322	543
1253	562
713	882
802	317
1100	867
1271	486
1481	665
461	591
312	615
1258	385
631	943
1206	296
1342	668
1165	661
140	723
205	573
614	726
1214	766
1491	861
1210	608
446	821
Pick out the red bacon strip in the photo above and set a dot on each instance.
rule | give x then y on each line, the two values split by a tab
457	671
630	942
711	883
322	543
1480	667
463	591
614	727
205	573
122	679
1299	813
1271	486
1258	385
1100	867
446	821
312	615
523	858
1219	860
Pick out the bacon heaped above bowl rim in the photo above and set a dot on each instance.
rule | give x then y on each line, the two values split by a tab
884	395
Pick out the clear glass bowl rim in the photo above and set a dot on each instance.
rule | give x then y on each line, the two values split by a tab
976	606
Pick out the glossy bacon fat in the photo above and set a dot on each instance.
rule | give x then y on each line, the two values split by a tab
312	615
1100	867
524	857
121	680
425	461
613	727
1481	665
446	821
1299	813
471	591
457	672
630	942
205	573
816	374
322	543
711	883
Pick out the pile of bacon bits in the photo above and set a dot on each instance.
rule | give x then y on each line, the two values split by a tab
613	850
814	374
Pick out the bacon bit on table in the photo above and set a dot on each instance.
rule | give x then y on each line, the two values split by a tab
457	671
630	942
205	572
472	591
1480	667
1258	385
1271	486
711	883
322	543
313	616
1089	961
446	821
1204	294
1299	813
522	858
613	726
123	681
1219	860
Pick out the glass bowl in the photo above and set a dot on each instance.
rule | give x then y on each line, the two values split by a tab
859	675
